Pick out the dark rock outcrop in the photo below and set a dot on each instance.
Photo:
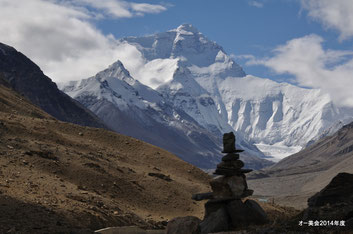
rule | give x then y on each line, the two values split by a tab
26	78
334	202
339	190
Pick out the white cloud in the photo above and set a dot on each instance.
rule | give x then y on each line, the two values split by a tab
152	73
147	8
256	4
313	66
121	9
59	35
334	14
249	57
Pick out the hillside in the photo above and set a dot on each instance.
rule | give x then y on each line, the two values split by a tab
61	177
296	178
26	78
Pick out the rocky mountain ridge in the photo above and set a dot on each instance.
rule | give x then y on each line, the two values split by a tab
131	108
25	77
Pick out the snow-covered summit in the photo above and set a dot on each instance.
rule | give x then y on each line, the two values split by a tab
186	29
186	45
117	70
116	85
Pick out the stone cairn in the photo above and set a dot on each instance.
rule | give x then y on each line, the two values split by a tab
225	209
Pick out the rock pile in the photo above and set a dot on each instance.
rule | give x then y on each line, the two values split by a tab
225	210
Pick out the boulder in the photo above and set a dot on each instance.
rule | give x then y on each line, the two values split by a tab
238	213
228	186
214	205
244	214
217	221
184	225
256	214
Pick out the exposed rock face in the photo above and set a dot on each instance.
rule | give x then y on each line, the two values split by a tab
25	77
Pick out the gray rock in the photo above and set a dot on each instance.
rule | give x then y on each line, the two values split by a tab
184	225
228	142
233	164
202	196
238	213
237	185
247	192
256	214
230	157
244	214
228	186
216	221
214	205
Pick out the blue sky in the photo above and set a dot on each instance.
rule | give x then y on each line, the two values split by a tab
305	42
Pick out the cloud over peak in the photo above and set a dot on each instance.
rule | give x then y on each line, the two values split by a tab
332	14
313	66
60	36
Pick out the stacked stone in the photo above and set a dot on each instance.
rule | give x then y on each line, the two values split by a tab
225	210
231	182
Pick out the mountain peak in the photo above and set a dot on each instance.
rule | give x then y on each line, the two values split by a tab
187	29
116	70
118	65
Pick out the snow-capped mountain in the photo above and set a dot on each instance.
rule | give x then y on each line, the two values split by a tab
131	108
199	77
195	85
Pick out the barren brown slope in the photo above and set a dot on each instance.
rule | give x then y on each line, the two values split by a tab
299	176
61	177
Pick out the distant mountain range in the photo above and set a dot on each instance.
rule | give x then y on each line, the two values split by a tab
192	74
131	108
